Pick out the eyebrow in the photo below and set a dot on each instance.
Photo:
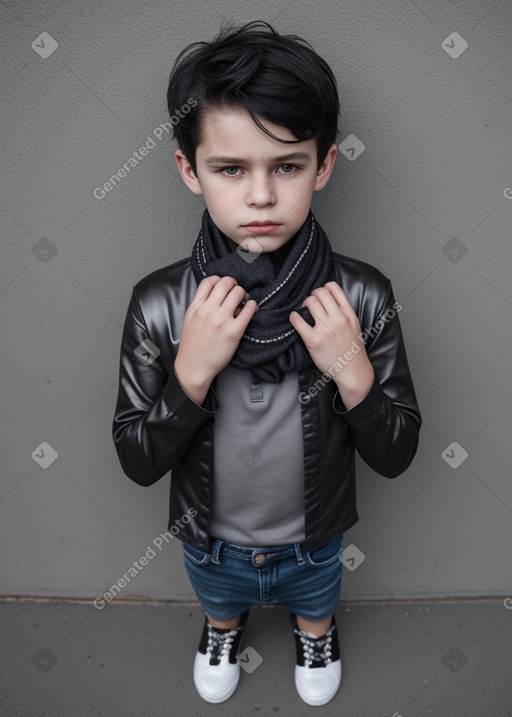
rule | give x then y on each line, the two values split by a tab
221	159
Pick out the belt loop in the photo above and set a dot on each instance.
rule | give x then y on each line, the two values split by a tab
216	550
298	554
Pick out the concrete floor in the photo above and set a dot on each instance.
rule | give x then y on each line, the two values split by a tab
68	659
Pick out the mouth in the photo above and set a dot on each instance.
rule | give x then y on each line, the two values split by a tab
261	227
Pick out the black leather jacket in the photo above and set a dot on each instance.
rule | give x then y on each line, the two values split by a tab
158	427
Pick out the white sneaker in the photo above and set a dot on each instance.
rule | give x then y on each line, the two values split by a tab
318	668
216	671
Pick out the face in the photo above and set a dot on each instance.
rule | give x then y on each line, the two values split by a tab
258	190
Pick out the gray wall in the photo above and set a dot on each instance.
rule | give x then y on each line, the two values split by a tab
428	202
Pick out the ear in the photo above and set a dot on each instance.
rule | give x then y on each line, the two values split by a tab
325	169
187	173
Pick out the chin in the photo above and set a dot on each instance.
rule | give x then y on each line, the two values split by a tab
270	243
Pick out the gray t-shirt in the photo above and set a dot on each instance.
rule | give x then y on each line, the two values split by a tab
258	462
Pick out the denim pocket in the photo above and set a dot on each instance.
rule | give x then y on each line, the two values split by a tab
325	554
196	556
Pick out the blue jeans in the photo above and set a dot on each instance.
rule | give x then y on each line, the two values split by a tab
233	578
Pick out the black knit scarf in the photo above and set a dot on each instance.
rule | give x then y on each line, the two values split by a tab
279	281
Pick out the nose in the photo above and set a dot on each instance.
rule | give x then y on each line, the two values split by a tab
260	191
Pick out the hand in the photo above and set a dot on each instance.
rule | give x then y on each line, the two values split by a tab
333	342
212	328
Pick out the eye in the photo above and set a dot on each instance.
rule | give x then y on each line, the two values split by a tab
228	172
288	168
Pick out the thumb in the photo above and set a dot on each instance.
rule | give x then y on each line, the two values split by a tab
300	325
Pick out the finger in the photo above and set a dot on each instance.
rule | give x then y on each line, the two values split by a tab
246	314
241	305
305	331
327	300
315	306
205	287
339	295
221	290
317	311
234	299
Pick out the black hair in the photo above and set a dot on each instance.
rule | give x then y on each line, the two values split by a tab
277	77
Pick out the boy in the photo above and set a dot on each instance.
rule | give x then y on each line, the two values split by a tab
271	358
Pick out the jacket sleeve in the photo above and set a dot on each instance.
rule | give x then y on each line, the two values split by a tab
385	424
154	417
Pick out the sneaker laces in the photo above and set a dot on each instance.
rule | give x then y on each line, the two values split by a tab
219	643
317	650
